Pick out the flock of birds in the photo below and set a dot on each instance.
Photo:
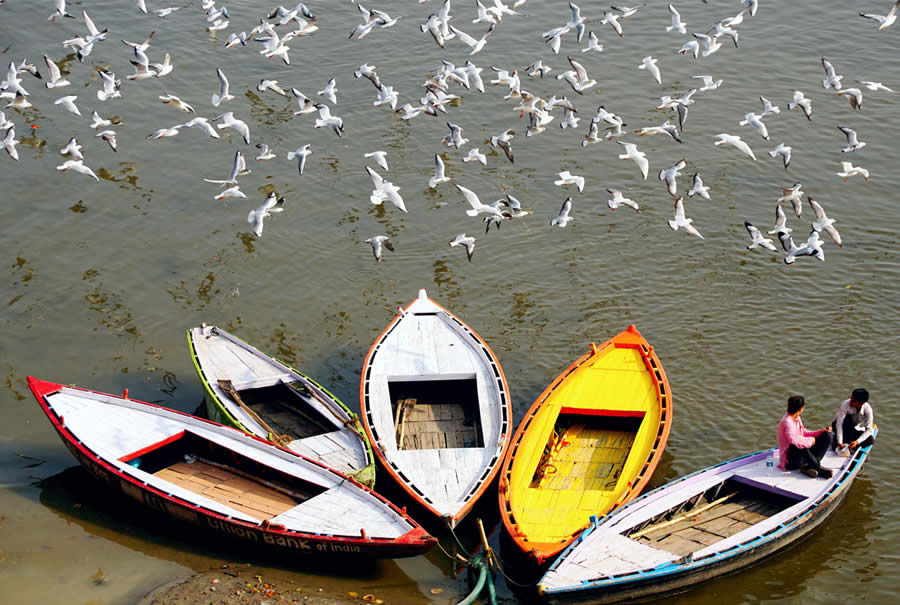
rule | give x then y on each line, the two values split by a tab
281	27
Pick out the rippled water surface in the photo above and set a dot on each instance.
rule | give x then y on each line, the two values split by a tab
104	278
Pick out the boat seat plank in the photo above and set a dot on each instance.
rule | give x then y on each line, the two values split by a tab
233	490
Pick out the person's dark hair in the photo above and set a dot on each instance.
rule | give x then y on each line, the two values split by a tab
860	395
795	402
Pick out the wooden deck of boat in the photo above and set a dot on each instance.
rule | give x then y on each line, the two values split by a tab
283	410
428	427
228	488
586	458
708	526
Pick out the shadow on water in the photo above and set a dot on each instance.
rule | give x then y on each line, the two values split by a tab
78	498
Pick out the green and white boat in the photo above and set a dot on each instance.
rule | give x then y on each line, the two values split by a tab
245	388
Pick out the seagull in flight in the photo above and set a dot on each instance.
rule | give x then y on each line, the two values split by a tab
77	166
884	21
668	175
301	153
803	103
848	170
681	221
757	238
784	151
439	174
853	142
649	64
780	221
563	218
618	199
812	247
476	206
273	203
468	242
223	94
639	157
822	222
229	121
854	95
677	24
735	141
794	195
378	243
475	155
567	178
832	80
698	188
380	158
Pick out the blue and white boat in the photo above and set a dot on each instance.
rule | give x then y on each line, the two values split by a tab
712	522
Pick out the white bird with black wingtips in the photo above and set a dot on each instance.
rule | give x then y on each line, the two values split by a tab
477	207
255	217
223	94
463	240
378	243
619	199
697	187
681	221
563	218
757	238
822	222
567	178
668	175
784	151
439	173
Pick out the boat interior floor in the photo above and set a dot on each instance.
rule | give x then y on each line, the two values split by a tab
686	533
283	408
229	488
424	426
585	458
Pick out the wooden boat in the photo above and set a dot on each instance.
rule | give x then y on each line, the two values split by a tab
245	388
589	443
436	408
239	486
713	522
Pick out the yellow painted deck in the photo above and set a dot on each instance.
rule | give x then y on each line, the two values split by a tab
590	441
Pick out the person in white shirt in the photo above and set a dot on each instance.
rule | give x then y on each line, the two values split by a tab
854	423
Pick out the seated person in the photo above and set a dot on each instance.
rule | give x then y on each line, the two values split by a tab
800	448
854	423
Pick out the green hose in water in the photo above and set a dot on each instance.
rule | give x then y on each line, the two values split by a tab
479	584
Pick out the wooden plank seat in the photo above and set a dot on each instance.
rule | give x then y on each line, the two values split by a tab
229	488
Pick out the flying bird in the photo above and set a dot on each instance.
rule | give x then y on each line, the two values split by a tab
784	151
563	218
301	153
884	21
567	178
822	222
848	170
668	175
378	243
380	158
698	188
273	203
223	94
639	157
439	175
468	242
853	142
681	221
618	199
757	238
735	141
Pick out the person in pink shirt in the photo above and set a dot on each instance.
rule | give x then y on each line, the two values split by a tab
798	447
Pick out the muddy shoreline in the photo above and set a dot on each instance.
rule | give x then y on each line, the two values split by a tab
235	584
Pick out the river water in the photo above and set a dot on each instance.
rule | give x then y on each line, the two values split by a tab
104	278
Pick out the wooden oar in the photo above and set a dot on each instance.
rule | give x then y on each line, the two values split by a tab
687	515
229	389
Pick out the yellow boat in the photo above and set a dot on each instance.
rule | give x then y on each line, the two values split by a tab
588	444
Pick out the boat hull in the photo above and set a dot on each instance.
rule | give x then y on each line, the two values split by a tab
600	427
682	574
429	357
358	460
271	537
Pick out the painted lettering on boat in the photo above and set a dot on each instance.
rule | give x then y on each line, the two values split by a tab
233	530
338	547
286	542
